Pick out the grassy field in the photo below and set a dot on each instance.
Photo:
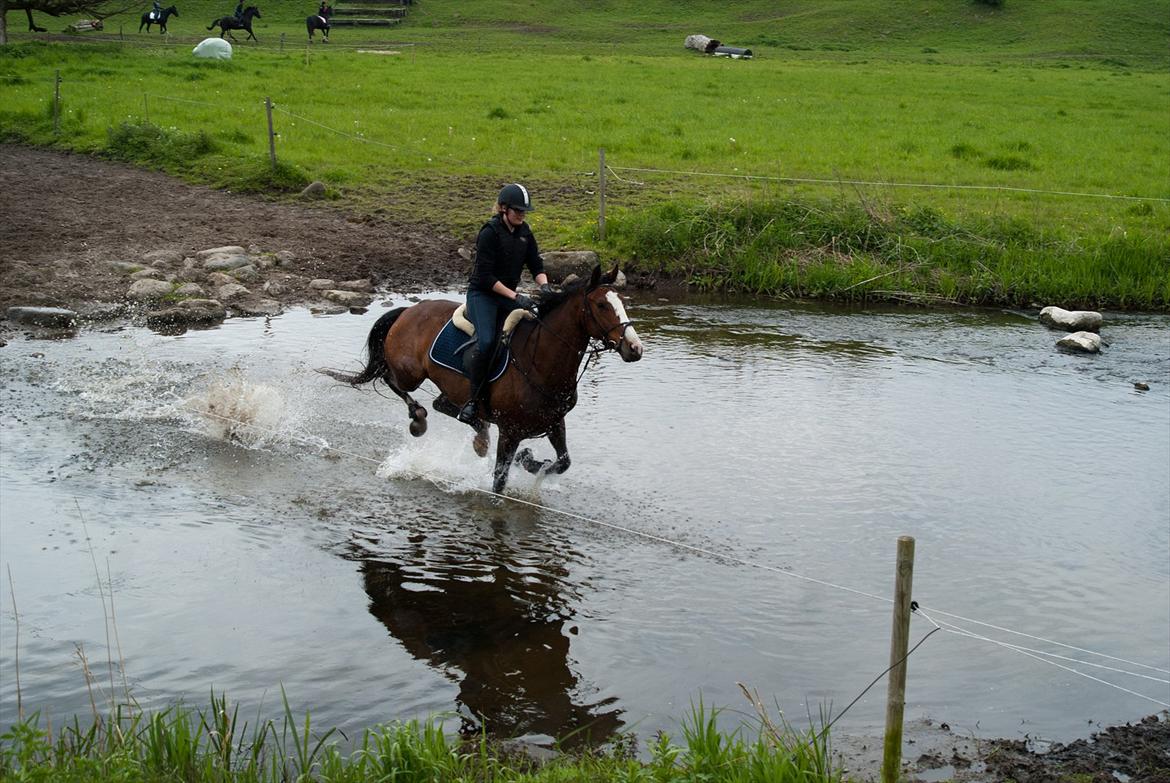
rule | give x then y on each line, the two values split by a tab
1033	137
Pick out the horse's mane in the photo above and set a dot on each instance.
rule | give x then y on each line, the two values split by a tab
548	302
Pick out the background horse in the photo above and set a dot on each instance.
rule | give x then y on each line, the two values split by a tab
228	23
317	22
531	398
161	21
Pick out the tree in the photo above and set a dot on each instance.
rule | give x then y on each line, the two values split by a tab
98	9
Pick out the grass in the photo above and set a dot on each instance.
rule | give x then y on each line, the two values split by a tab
1010	106
214	744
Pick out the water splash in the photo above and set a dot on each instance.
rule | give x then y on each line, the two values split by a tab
236	410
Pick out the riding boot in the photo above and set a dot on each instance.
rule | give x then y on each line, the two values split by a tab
477	371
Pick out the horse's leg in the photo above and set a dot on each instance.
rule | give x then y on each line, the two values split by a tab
556	436
482	438
505	453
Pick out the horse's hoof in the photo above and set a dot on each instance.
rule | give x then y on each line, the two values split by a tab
418	427
419	413
480	443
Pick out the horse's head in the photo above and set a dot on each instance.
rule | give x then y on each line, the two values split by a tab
606	318
253	10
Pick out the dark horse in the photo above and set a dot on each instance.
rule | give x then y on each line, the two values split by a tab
531	398
229	23
161	21
319	22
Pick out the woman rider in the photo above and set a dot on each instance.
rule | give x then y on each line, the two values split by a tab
505	246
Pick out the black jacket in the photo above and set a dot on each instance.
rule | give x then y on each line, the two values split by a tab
501	255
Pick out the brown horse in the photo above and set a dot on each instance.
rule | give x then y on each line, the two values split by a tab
538	388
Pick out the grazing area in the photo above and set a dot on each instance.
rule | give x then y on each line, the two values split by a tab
957	152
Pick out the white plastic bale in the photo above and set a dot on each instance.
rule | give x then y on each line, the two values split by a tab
213	49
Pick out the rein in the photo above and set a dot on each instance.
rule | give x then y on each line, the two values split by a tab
593	353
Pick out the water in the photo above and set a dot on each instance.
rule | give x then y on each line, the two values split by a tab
324	551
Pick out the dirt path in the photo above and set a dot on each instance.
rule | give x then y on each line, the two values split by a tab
66	217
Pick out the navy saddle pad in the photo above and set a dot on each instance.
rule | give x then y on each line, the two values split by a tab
449	346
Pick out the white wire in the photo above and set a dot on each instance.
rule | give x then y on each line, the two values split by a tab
887	184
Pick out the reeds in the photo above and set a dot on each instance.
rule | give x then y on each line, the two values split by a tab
211	745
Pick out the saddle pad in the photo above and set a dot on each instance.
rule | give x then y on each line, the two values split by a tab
447	351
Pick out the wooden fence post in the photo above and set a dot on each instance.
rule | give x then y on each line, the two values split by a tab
146	107
282	43
899	642
271	135
57	103
601	196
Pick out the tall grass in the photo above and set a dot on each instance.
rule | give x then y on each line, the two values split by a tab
212	745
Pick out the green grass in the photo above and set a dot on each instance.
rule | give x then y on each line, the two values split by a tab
1068	96
216	744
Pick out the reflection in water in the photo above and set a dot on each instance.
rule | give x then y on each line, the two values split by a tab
489	606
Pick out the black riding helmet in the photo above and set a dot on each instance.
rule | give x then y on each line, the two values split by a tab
516	197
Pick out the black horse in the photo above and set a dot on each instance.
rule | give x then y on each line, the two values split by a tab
228	23
319	22
161	21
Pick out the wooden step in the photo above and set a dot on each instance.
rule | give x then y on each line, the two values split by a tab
363	22
396	13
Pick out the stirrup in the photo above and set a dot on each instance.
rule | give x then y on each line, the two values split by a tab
467	414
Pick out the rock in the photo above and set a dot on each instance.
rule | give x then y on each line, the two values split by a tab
226	250
264	261
213	49
247	273
224	263
162	258
1141	385
464	253
149	273
149	289
191	290
189	311
321	284
328	309
285	257
314	190
219	278
1081	342
231	291
347	298
276	288
363	286
1071	320
255	307
52	317
127	267
558	264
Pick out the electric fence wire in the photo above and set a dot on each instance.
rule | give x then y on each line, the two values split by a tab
1038	655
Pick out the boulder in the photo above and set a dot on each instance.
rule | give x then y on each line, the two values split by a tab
219	278
188	312
193	290
126	267
225	263
1071	320
256	307
314	190
328	309
1080	342
150	273
226	250
246	273
362	286
322	284
231	291
559	264
213	49
52	317
347	298
162	258
146	289
285	257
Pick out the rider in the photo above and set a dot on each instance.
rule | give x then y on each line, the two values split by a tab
505	246
239	12
323	10
156	11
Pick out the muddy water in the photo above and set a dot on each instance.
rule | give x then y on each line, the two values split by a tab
324	550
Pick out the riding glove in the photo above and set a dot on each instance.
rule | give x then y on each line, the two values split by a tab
524	302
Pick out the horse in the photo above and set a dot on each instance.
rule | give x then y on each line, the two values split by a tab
530	399
229	23
167	12
318	22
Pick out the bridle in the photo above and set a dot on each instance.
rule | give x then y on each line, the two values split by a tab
610	345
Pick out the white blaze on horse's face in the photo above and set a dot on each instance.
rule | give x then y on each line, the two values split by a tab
629	345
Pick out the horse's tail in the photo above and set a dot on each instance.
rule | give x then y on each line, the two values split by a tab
376	366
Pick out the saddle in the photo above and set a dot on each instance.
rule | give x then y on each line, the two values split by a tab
153	16
458	334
